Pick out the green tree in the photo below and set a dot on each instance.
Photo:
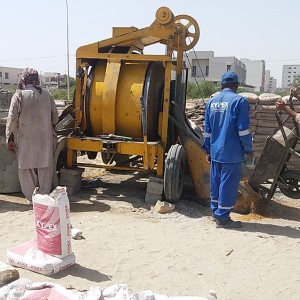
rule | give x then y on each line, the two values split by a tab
204	89
72	81
62	94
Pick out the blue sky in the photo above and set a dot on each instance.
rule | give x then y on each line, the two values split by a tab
34	32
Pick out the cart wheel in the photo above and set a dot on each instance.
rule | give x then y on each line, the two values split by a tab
174	173
60	159
292	179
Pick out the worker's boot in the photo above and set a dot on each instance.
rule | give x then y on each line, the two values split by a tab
228	224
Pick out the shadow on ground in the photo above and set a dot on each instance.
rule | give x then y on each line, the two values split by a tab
14	202
126	186
83	272
272	229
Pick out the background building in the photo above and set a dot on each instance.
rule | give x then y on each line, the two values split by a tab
255	73
288	74
267	80
10	76
53	80
272	86
203	64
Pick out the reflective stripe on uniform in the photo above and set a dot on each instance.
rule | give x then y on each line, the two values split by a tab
244	132
213	200
207	135
226	207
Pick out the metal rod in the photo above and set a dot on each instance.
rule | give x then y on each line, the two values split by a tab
68	60
109	167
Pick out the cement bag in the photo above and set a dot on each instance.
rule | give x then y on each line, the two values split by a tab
288	132
251	97
266	108
52	219
286	99
269	99
27	256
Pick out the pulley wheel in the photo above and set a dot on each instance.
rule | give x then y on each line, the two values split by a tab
189	27
164	16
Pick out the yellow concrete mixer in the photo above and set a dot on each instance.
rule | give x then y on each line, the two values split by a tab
130	106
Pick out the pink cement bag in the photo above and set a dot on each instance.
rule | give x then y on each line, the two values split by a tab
52	220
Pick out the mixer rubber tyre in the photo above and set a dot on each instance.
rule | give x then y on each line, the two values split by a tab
292	179
91	154
60	158
174	173
106	158
119	159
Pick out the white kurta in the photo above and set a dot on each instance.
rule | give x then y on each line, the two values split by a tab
31	116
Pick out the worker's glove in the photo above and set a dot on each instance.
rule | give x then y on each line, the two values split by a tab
249	160
11	146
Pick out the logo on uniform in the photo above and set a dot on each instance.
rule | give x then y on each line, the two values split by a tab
219	106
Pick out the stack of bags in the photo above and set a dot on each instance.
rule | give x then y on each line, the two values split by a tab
263	121
51	251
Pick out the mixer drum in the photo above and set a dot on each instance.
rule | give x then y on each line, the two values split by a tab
124	115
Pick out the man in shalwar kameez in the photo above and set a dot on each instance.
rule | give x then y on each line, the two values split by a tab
227	139
30	133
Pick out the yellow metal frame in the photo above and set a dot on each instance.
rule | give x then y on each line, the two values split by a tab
163	30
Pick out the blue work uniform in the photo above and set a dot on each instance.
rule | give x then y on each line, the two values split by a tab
227	139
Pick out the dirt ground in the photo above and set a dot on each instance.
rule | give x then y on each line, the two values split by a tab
180	253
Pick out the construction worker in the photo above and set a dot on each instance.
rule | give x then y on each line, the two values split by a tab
30	134
227	140
280	105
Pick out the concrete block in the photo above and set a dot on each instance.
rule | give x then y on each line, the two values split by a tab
74	171
152	198
70	180
156	179
71	177
155	186
73	190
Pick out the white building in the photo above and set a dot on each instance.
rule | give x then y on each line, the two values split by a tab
267	80
203	64
53	80
255	73
10	76
272	85
288	74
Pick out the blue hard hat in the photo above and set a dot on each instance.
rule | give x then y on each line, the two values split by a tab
229	77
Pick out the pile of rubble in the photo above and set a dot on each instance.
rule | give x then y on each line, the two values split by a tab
262	119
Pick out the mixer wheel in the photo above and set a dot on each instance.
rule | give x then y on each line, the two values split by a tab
174	173
60	158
